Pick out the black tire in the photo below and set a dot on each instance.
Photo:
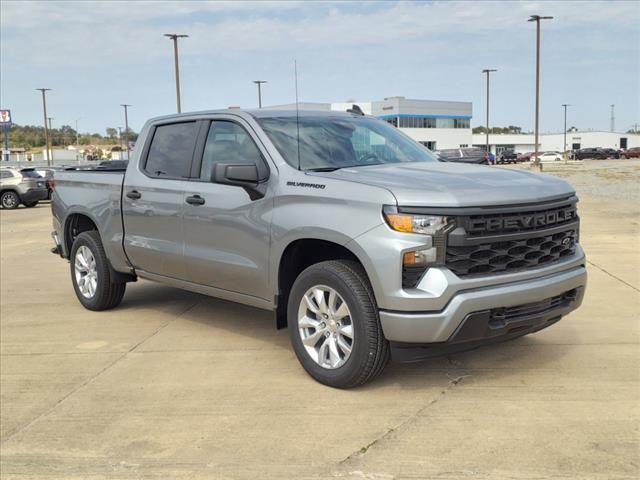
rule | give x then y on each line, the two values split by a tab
31	204
108	294
9	200
370	353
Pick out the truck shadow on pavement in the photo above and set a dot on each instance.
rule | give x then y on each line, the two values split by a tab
213	324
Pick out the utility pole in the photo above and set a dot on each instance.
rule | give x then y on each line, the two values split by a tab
77	133
488	71
537	19
126	126
565	105
46	129
259	83
51	135
175	37
613	118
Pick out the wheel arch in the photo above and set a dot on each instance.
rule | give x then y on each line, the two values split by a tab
298	255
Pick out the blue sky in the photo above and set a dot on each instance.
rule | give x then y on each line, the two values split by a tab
97	55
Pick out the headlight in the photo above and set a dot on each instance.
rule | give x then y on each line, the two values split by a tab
434	227
412	223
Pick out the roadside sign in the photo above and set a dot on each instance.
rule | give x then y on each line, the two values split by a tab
5	117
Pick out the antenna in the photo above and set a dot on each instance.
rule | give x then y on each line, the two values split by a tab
295	74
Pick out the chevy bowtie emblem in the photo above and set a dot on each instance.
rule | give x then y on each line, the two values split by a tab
567	241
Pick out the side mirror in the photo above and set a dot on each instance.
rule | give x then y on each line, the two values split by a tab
245	175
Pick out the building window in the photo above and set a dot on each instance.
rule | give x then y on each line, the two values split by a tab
428	122
464	145
429	145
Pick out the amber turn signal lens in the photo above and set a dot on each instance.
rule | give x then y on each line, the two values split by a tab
400	223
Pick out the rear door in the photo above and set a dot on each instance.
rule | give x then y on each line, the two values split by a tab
226	231
153	199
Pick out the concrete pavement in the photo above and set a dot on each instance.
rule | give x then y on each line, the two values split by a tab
177	385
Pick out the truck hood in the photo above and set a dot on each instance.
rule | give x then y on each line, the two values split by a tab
436	184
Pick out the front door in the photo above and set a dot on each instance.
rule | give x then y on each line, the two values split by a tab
153	200
226	232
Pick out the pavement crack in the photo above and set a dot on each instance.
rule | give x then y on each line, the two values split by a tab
387	433
18	429
613	276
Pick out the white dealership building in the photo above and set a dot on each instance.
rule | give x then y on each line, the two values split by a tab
443	124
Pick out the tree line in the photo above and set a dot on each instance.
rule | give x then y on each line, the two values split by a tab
509	129
31	136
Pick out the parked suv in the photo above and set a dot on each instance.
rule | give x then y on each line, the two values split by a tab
592	153
17	187
507	156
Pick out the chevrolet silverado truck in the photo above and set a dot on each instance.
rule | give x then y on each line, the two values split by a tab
363	244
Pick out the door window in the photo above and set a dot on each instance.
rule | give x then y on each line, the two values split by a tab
227	142
171	150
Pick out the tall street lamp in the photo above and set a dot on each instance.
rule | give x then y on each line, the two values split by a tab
175	37
126	126
488	71
51	135
565	105
77	133
537	19
259	84
46	129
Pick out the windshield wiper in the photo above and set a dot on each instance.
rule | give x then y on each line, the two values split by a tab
323	169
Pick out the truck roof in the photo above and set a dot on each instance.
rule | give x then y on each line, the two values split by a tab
256	113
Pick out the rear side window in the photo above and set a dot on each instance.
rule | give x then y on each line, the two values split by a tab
171	150
5	174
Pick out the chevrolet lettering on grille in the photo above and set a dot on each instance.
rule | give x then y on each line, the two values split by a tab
527	221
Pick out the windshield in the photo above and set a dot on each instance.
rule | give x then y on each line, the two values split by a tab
328	143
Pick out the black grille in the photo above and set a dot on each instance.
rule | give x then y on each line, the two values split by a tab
510	255
525	221
499	316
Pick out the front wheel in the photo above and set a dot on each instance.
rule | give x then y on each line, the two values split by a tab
334	325
91	276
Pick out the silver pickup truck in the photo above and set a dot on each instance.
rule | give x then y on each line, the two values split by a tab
361	242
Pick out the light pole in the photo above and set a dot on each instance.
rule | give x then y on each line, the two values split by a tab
175	37
565	105
77	133
613	117
51	135
126	126
259	84
46	129
488	71
537	19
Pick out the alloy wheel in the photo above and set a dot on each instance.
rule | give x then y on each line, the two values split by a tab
86	272
325	326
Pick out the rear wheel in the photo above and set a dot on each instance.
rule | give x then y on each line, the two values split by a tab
9	200
91	276
334	325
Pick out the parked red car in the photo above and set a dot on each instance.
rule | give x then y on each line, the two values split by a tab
630	153
524	157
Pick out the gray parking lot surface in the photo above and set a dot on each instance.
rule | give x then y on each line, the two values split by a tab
177	385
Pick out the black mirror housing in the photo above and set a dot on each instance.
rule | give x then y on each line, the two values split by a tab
245	175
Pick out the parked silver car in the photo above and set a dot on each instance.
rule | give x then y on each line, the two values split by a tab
17	187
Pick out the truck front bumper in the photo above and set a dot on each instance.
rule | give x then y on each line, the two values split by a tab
485	315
